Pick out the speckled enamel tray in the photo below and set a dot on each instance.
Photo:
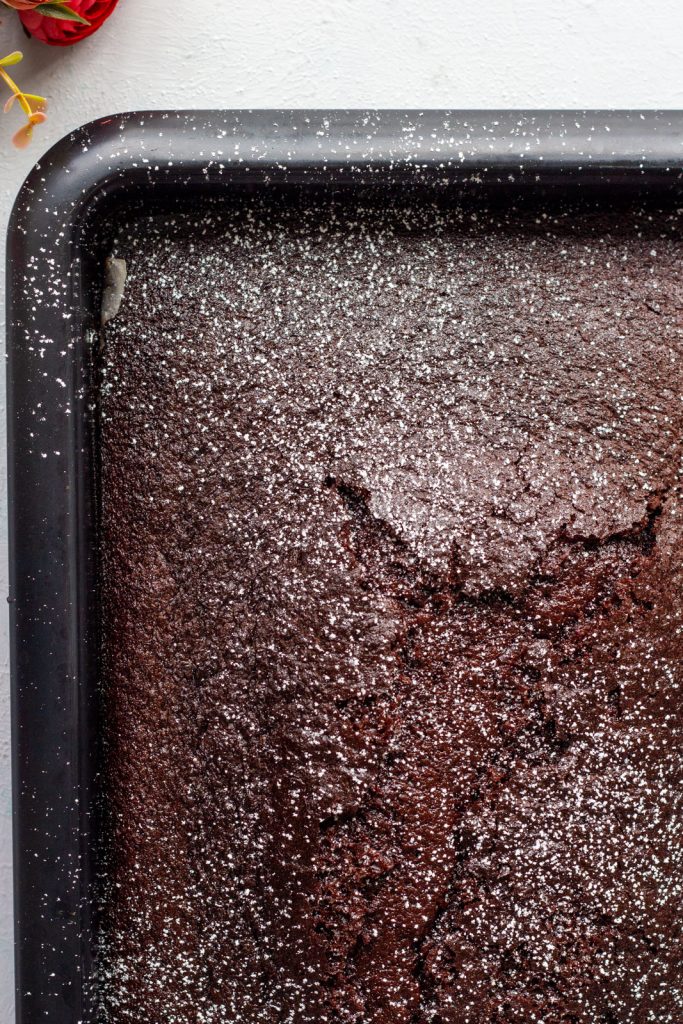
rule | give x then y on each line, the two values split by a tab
57	242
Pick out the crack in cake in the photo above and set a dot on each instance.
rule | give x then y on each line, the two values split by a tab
392	612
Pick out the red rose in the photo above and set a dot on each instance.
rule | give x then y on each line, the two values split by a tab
56	32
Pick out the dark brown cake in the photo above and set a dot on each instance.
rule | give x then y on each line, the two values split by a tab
393	619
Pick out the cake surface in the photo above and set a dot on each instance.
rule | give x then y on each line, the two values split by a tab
393	609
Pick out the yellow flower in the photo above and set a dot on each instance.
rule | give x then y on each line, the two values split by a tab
22	137
33	106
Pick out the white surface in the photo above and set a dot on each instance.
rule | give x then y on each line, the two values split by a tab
336	53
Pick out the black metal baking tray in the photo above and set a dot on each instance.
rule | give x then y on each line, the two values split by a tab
57	239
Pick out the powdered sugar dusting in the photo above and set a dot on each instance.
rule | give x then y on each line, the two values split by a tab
392	523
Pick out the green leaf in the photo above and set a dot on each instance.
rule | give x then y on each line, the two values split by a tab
61	12
11	58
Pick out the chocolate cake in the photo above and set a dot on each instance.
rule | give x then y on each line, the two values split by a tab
392	529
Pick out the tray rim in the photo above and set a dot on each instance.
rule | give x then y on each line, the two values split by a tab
51	454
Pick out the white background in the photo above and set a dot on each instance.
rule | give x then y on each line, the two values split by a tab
322	53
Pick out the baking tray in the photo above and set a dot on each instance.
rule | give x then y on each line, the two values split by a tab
62	219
